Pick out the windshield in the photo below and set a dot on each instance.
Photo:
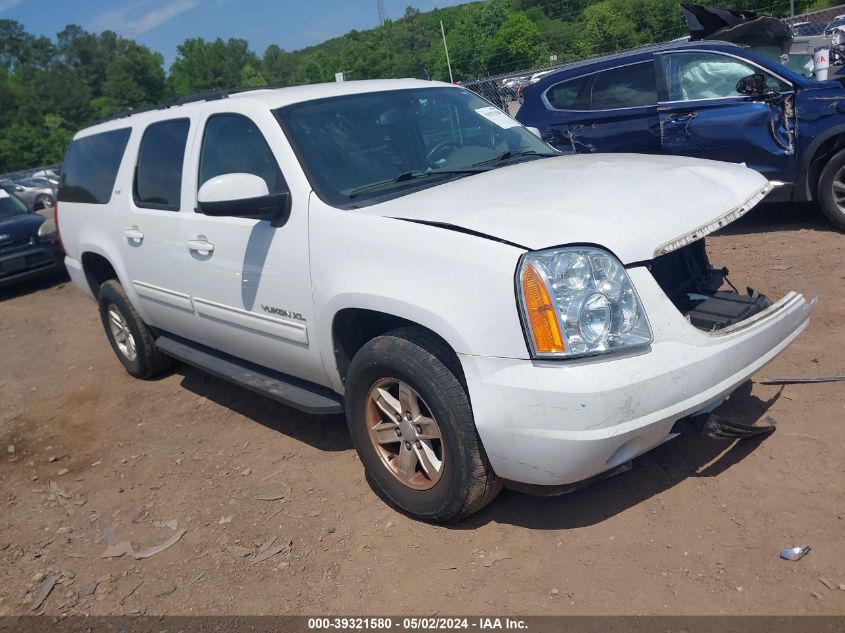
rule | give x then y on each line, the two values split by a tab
358	148
10	205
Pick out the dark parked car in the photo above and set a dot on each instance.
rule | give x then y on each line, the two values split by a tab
704	99
29	245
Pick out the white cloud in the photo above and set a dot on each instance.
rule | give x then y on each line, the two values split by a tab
137	18
5	5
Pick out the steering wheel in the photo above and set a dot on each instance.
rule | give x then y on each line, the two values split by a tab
434	154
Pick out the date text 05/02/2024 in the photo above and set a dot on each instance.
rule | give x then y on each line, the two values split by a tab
416	623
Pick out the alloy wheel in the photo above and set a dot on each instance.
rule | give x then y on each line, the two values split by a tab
839	189
404	433
121	333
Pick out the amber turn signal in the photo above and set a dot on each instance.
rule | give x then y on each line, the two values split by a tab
540	310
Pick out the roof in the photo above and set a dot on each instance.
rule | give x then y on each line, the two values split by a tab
271	98
641	54
644	51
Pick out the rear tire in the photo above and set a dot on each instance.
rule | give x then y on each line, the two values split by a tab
831	193
404	400
130	338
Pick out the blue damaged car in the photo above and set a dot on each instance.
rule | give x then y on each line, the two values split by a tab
704	99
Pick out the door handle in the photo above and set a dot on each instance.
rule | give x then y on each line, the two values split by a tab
685	119
675	117
133	235
200	245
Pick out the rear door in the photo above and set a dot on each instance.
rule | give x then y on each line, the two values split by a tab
615	110
562	105
703	115
150	227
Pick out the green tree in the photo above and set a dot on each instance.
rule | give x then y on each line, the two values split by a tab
19	48
202	65
606	28
517	44
278	66
133	79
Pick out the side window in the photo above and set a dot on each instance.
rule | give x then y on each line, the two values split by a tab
90	167
234	144
568	95
626	87
158	175
700	75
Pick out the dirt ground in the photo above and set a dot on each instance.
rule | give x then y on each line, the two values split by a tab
694	528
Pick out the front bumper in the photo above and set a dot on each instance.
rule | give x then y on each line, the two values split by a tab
560	422
28	262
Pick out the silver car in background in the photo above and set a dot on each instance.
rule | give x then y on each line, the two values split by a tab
36	190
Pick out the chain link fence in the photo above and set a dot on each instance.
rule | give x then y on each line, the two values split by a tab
504	90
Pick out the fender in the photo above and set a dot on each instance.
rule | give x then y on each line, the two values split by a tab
803	189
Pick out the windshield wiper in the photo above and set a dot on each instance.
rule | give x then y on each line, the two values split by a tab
510	154
412	175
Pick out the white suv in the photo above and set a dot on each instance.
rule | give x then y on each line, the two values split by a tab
484	310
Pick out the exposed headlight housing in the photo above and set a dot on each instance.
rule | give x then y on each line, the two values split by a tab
47	230
579	301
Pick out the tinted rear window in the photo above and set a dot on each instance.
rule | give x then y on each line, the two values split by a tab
625	87
567	95
91	165
158	178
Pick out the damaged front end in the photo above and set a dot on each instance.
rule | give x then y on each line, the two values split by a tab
695	288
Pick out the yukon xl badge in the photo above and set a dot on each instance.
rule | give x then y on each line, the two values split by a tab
282	313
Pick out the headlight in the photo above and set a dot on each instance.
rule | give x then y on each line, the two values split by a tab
47	230
578	301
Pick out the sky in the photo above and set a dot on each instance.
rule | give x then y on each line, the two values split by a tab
163	24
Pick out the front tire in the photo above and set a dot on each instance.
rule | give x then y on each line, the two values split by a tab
832	190
411	422
130	338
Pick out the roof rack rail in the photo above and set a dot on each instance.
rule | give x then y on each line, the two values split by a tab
210	95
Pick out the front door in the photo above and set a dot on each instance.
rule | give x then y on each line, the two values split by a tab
251	285
703	115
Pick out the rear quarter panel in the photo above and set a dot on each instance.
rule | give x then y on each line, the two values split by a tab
92	228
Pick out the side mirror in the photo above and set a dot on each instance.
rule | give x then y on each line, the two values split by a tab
535	131
40	205
242	196
755	85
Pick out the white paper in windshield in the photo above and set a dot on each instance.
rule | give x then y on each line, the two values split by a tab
498	117
4	193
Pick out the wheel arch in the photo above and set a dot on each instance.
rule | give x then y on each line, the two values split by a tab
822	148
98	269
352	328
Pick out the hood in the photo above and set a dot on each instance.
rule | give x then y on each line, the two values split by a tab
740	27
637	206
18	226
